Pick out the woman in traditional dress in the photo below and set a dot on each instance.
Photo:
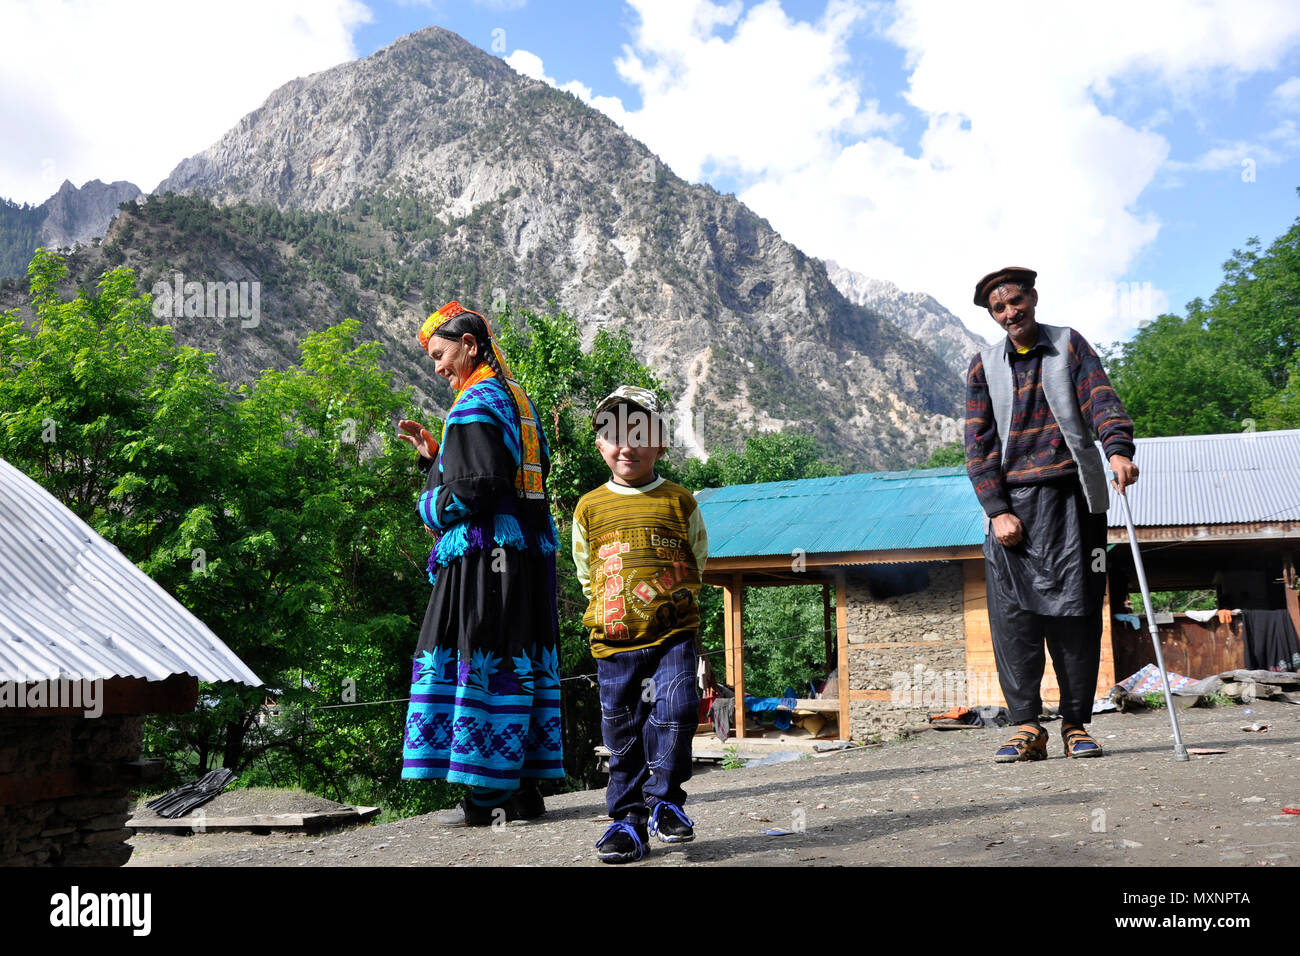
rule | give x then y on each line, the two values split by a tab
485	687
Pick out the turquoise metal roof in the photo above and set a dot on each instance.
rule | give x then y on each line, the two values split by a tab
1184	480
881	511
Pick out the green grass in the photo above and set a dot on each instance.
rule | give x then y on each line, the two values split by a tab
733	760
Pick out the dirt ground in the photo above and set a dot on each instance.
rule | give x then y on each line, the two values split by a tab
933	799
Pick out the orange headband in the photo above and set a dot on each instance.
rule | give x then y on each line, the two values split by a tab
436	321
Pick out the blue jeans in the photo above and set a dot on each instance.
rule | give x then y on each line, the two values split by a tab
649	713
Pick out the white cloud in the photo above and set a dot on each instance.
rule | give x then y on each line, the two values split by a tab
530	65
127	90
1286	96
1022	160
770	100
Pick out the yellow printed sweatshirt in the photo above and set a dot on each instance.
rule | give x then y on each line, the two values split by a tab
640	555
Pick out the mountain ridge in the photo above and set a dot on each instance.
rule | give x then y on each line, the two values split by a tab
430	170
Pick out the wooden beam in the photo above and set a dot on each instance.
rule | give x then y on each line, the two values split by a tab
885	645
842	650
771	579
177	694
878	695
1279	531
781	562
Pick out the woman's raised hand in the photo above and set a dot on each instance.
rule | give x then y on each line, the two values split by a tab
419	438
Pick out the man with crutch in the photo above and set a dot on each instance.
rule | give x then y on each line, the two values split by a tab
1033	404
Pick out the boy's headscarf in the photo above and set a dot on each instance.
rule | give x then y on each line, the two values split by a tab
529	478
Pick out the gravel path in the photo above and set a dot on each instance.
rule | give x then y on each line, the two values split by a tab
936	798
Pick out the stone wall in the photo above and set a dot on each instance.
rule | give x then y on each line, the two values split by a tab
87	828
907	653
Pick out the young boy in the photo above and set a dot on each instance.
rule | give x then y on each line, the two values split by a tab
639	546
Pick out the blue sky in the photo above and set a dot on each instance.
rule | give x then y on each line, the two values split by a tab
1123	150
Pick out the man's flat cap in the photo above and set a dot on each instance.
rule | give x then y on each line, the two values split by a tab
996	278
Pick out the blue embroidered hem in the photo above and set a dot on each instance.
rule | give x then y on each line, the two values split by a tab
474	723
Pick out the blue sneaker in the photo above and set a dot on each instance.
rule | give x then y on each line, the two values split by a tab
673	827
623	843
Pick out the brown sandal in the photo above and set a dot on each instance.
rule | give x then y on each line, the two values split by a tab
1078	743
1028	743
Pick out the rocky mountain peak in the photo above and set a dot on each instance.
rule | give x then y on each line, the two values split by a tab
497	188
916	313
79	215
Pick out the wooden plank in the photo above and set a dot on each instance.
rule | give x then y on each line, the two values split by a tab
821	705
884	645
276	821
842	651
884	695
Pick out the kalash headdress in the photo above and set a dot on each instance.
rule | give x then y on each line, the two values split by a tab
529	478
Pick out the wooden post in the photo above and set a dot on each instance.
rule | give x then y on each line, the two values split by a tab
728	635
827	634
1292	596
842	651
981	667
733	607
1106	676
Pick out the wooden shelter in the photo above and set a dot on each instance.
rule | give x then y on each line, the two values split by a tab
899	558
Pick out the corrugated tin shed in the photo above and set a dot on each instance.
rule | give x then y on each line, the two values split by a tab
72	606
1214	479
1195	480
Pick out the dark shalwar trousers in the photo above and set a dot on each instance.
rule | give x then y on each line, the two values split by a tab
1048	589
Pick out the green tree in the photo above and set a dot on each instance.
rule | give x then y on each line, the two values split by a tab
773	456
1227	365
947	456
1175	378
279	514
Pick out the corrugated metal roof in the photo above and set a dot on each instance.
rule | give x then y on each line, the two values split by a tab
1214	479
1202	479
881	511
72	606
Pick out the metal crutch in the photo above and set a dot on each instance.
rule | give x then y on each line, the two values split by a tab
1180	751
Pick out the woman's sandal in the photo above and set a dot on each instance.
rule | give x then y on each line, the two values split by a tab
1078	743
1028	743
